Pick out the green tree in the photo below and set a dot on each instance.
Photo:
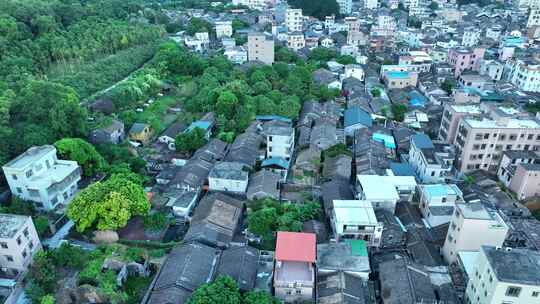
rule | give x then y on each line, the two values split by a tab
375	92
223	290
43	272
113	211
83	153
398	111
316	8
322	54
227	104
346	59
48	299
197	25
259	297
434	5
448	85
190	141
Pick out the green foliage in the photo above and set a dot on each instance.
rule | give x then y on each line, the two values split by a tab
108	205
398	111
346	59
83	153
414	22
70	256
238	24
375	92
156	221
337	150
41	223
269	216
283	54
135	287
259	297
121	159
533	107
43	272
48	299
322	54
316	8
223	290
448	85
197	25
434	5
190	141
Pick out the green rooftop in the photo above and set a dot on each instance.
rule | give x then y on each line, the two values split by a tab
358	247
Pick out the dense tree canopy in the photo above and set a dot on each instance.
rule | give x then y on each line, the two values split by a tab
316	8
83	153
190	141
224	290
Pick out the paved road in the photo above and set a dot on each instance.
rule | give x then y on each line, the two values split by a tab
56	240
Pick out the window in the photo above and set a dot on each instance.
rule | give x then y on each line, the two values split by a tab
269	138
14	176
513	291
483	146
530	136
19	190
3	245
29	173
535	294
9	258
24	254
19	240
31	245
25	232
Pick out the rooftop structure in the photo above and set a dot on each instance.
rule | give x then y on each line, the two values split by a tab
295	247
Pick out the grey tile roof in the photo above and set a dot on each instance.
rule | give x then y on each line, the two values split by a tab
240	263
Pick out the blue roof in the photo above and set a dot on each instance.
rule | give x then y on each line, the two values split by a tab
399	75
417	99
275	161
388	140
272	117
202	124
402	169
355	115
422	141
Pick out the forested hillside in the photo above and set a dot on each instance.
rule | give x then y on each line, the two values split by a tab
54	53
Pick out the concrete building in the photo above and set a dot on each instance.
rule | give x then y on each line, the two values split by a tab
38	175
296	41
492	68
228	177
526	181
480	142
279	139
432	162
437	202
504	275
350	257
534	18
472	226
451	118
385	191
236	55
400	80
509	161
18	243
294	20
371	4
345	6
252	4
462	59
355	219
294	268
260	48
223	29
524	74
419	61
471	36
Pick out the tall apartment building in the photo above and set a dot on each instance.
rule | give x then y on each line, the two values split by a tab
451	118
465	59
279	139
18	243
223	29
296	41
260	48
294	20
38	175
472	226
480	142
534	18
504	275
509	161
524	74
345	6
432	162
471	36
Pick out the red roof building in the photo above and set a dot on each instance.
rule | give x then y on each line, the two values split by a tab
296	247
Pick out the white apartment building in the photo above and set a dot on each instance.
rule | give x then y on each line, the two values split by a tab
472	226
386	25
223	29
509	161
345	6
355	71
383	192
420	61
355	219
260	48
431	162
252	4
371	4
534	18
279	139
294	20
491	68
19	242
37	175
438	201
451	118
504	275
471	36
237	55
228	177
525	75
296	41
527	3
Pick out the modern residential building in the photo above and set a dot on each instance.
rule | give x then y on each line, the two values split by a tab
472	226
228	177
385	191
38	175
480	142
451	118
279	139
420	61
345	6
252	4
400	80
524	74
526	181
296	41
237	55
18	243
534	18
294	268
509	161
355	219
355	71
223	29
492	68
437	202
294	20
260	48
504	275
431	161
462	59
471	36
